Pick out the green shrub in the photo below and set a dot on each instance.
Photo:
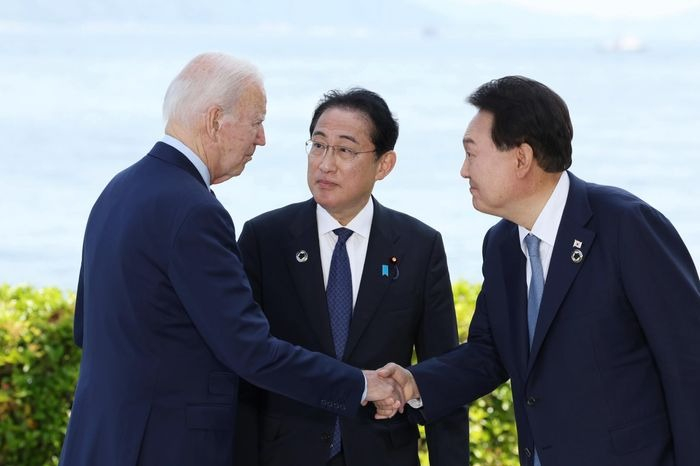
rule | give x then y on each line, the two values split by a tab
38	370
492	436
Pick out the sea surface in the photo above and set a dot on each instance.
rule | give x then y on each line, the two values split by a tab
81	101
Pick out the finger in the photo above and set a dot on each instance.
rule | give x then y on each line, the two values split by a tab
388	370
384	414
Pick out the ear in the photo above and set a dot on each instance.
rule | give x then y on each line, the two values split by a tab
524	159
212	120
385	164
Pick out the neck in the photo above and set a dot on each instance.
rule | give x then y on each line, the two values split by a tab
188	138
346	217
528	208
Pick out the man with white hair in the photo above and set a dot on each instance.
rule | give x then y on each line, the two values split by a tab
164	312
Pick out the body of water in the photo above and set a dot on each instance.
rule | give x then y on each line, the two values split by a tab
80	103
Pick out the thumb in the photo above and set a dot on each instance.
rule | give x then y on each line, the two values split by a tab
388	370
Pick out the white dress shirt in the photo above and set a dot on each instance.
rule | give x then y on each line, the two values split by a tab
356	244
356	247
546	227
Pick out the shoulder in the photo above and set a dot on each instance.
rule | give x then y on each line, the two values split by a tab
283	215
402	222
611	197
614	204
175	193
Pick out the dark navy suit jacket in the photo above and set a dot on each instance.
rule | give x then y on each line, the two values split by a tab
167	323
613	377
411	305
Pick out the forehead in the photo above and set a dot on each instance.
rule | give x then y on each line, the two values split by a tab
479	128
342	121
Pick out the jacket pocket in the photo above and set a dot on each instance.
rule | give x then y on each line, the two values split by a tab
641	434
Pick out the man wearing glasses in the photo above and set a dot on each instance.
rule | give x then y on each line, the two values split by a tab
343	275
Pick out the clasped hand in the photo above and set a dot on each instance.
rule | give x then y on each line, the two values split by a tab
389	388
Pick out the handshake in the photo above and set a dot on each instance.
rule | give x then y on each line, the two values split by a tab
389	388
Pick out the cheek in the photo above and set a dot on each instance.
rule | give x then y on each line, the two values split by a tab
312	167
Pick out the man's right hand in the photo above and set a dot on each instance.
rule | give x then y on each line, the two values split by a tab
386	391
405	380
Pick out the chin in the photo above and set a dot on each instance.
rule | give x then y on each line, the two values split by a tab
323	201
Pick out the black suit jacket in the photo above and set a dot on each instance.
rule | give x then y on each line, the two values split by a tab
412	306
613	375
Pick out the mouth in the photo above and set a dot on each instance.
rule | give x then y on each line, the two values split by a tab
325	184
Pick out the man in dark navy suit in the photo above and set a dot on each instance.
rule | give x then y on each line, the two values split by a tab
590	302
164	311
399	296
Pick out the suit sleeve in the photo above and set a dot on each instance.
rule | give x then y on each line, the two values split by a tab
78	315
662	285
448	438
207	274
249	396
465	373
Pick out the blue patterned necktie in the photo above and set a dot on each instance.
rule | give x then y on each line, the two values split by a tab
339	298
534	296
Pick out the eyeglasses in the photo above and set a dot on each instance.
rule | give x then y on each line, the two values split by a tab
318	150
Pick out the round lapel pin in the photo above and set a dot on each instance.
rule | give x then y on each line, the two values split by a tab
302	256
576	256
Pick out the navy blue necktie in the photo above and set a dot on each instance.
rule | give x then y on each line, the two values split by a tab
339	298
534	296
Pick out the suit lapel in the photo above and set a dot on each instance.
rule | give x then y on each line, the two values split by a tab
373	286
308	275
562	268
513	267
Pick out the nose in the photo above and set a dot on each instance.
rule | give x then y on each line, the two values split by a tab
327	162
464	172
260	137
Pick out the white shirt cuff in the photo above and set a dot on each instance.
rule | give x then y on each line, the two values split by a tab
364	392
416	403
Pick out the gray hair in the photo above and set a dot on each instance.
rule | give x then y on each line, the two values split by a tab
208	79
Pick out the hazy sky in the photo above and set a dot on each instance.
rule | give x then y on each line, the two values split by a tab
600	8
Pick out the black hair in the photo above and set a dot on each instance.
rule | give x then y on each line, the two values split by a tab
526	111
385	128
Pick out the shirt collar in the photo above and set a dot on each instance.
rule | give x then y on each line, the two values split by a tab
547	223
191	156
360	225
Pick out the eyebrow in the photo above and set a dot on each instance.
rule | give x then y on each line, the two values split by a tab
342	136
468	140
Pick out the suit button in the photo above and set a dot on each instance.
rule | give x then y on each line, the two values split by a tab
528	453
531	401
325	436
